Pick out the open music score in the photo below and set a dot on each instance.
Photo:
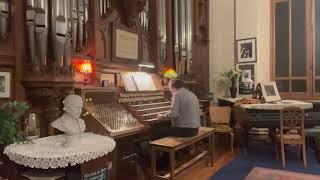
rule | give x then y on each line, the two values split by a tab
138	81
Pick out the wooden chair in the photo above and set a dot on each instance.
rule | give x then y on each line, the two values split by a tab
220	121
291	132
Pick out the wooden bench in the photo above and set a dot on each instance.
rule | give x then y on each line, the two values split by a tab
173	144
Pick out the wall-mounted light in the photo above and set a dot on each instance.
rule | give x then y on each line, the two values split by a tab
146	65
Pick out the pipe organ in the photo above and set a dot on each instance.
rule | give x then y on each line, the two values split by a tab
144	17
183	36
68	28
104	8
163	30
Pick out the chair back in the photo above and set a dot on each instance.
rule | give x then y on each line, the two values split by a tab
220	114
292	118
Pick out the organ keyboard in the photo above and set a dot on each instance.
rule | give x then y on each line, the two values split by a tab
120	113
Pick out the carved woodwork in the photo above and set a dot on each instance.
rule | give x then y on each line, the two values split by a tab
46	101
201	34
200	48
130	10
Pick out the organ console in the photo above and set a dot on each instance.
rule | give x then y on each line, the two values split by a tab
126	116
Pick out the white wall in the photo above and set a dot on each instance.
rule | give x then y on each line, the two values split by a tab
252	20
221	28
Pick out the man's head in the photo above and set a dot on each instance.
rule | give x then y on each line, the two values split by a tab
175	84
73	105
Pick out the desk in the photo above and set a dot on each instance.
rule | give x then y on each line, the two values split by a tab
48	152
267	116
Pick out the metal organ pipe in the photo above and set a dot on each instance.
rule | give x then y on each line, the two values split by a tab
67	27
67	45
80	24
74	22
143	17
86	18
189	36
41	21
163	31
60	30
4	16
183	36
30	17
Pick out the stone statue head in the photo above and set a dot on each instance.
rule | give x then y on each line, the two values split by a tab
73	105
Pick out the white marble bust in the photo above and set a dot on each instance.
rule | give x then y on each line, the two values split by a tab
69	122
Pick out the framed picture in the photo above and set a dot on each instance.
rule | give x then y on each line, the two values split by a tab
246	50
127	44
108	79
247	78
270	91
5	84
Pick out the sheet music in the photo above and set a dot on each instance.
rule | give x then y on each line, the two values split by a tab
128	81
144	81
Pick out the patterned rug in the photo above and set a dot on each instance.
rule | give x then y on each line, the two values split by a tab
261	155
258	173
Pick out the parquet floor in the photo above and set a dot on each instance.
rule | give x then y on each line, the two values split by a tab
200	171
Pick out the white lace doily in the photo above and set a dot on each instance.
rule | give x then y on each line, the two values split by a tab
48	152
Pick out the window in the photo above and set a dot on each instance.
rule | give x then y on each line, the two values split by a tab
293	41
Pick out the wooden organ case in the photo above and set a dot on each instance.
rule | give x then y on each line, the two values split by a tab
125	116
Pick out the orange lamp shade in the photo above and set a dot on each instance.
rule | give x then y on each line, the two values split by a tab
86	66
170	73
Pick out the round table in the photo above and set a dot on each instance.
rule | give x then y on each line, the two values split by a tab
49	152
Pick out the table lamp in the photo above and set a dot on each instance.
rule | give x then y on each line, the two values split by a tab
86	69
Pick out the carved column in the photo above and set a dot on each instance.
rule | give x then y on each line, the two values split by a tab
46	101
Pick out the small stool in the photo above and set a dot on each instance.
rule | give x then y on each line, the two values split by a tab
33	175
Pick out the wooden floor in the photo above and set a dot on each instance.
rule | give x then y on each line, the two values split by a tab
200	171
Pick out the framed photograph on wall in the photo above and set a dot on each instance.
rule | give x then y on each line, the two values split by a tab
247	78
246	50
5	84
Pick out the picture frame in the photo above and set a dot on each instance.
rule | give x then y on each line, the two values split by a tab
5	84
246	50
108	79
270	91
126	45
247	78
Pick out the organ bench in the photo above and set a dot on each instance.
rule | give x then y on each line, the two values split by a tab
173	144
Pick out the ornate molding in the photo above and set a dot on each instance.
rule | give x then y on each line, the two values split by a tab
130	9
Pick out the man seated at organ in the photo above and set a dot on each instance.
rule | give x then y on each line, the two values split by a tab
184	112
